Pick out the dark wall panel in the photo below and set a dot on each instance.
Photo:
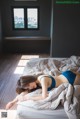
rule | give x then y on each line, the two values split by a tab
45	15
0	32
66	30
26	46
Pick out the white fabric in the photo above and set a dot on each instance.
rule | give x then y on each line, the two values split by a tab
24	112
53	66
65	93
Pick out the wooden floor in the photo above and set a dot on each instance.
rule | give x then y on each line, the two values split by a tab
9	75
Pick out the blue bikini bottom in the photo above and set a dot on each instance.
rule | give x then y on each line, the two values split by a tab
70	76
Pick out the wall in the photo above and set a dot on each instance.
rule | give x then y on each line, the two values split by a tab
0	32
66	30
51	30
40	45
45	17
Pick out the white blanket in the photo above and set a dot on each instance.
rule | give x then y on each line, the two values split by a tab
65	94
53	66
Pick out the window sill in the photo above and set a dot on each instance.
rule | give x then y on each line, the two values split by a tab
27	38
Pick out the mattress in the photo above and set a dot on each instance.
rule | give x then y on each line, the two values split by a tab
47	66
24	112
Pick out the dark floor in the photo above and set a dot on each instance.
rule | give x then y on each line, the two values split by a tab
11	68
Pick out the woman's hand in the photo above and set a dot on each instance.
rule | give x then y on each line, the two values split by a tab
9	105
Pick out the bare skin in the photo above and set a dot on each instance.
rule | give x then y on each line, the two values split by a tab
62	79
18	98
45	82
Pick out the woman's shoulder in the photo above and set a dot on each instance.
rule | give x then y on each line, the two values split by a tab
41	76
24	93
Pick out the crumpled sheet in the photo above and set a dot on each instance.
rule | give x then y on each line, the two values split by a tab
66	94
53	66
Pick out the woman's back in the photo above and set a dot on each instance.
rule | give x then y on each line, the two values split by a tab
68	76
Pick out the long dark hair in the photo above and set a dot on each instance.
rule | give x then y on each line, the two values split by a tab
24	81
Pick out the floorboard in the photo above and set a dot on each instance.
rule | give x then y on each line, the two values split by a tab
9	75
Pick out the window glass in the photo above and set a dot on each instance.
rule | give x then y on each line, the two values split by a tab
18	17
25	18
32	18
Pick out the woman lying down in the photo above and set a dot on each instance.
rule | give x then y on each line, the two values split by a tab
30	83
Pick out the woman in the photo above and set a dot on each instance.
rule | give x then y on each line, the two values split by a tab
22	90
30	83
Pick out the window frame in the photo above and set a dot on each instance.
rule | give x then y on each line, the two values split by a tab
25	17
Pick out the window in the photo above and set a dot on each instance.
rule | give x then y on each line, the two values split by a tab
18	18
25	18
32	18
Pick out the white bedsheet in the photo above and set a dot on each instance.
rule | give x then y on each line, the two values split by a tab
65	93
52	66
30	113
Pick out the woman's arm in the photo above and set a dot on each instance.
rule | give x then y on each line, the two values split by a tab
44	92
32	98
10	104
18	98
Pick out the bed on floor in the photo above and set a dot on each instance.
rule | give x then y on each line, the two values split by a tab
30	113
63	102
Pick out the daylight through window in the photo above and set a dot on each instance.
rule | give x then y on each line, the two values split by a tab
18	18
25	18
32	15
